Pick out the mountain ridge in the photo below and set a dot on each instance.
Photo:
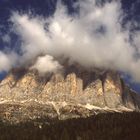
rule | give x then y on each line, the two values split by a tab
98	88
73	104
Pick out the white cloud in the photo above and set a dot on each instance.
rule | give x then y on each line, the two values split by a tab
33	35
7	61
45	64
93	38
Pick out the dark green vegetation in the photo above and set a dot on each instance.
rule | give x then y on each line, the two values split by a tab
104	126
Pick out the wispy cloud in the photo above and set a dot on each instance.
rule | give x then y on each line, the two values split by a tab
93	38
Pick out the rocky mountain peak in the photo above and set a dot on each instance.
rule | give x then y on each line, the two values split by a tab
74	85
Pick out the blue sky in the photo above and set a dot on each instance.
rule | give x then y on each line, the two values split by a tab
46	8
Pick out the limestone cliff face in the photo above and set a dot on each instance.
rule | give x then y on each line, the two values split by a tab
97	88
73	105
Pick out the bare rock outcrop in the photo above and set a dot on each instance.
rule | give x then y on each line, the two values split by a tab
97	88
75	104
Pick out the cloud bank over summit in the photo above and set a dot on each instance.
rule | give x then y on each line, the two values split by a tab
93	37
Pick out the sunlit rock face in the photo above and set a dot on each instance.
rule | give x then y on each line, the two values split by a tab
74	85
74	104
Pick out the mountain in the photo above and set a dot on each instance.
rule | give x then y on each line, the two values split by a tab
70	98
74	85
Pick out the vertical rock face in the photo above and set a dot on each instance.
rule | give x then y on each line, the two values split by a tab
98	88
113	90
